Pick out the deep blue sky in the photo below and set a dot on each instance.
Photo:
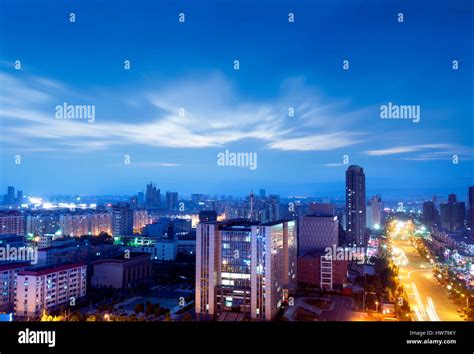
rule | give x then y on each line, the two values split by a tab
190	65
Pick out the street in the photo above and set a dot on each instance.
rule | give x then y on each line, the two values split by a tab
426	297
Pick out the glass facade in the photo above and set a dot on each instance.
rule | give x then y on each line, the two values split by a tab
235	269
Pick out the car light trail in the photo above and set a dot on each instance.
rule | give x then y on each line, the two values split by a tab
421	307
432	311
418	314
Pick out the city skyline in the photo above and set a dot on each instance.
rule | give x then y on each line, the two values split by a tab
295	106
205	171
391	197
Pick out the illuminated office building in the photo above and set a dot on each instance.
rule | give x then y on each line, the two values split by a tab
244	269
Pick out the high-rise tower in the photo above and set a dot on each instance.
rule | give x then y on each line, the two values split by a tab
355	205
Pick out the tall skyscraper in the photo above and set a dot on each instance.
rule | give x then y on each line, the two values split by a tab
374	212
244	269
273	267
171	200
19	197
430	214
9	198
271	209
471	208
141	198
452	198
452	214
152	196
134	202
355	205
262	193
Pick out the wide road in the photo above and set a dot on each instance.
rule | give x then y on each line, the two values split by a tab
426	297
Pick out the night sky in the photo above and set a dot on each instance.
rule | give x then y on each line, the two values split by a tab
190	65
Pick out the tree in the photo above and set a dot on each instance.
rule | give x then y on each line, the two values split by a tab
46	318
139	308
156	312
187	317
150	309
470	314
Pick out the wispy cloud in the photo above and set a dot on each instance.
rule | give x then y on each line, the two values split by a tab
319	142
214	115
405	149
152	164
332	164
427	152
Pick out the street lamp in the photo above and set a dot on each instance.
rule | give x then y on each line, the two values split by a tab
107	317
376	306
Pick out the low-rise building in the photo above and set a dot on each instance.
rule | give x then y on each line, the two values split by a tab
124	271
48	287
155	229
8	274
317	271
186	246
165	250
12	240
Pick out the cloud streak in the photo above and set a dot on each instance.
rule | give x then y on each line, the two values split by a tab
426	152
196	113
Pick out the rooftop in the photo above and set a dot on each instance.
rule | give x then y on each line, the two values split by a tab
13	265
276	222
50	269
123	259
